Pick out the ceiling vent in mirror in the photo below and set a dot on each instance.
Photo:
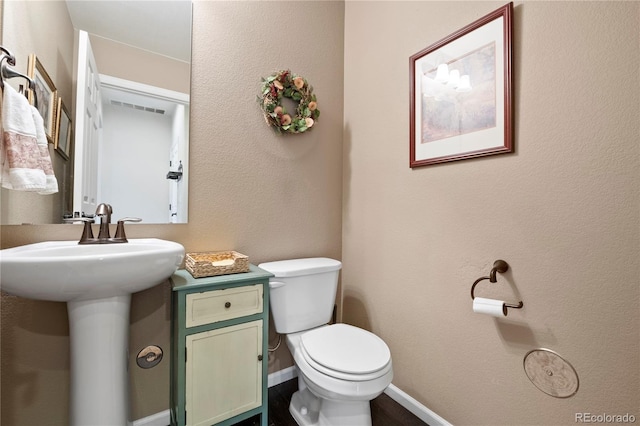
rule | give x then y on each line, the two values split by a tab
138	107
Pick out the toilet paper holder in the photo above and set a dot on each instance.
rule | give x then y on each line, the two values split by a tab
498	266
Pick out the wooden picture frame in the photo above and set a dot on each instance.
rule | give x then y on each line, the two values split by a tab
63	131
461	93
45	95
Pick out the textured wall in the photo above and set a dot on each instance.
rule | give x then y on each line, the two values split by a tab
124	61
563	210
267	196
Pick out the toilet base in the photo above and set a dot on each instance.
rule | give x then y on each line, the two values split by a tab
310	410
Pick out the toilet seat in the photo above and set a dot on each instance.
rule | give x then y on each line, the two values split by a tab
345	352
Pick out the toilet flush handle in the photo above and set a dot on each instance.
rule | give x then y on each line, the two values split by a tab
276	284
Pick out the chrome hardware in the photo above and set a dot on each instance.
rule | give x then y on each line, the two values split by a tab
104	212
276	284
551	373
149	357
120	235
87	231
498	266
6	73
175	175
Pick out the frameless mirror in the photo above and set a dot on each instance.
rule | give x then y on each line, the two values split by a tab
131	110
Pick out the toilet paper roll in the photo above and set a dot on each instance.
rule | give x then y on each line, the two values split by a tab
491	307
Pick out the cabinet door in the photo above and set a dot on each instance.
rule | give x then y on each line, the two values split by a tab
223	373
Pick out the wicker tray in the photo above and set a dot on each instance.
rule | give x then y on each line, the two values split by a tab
219	263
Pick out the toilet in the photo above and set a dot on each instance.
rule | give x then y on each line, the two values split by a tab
341	368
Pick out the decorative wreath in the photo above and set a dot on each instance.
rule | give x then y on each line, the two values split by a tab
286	84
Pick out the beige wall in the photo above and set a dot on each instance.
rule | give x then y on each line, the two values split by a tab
563	210
251	190
130	63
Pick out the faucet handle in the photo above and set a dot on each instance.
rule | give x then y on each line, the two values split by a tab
120	235
130	219
79	219
87	231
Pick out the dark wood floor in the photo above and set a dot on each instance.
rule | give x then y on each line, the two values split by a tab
384	410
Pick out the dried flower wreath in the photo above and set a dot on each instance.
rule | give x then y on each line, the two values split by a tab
288	85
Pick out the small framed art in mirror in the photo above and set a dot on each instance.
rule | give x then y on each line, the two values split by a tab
63	130
45	95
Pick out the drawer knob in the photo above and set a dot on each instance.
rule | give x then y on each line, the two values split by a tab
259	357
227	305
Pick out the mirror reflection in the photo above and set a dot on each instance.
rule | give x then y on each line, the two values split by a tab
123	70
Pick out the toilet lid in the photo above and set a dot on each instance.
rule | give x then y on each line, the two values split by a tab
345	348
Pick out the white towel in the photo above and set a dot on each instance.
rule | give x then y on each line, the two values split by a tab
26	164
51	183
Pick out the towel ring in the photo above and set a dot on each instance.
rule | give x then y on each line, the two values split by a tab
498	266
6	72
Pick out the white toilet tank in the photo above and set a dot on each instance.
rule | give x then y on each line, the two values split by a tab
302	292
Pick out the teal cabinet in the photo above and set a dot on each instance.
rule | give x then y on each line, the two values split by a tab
219	352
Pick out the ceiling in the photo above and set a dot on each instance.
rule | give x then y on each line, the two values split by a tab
162	27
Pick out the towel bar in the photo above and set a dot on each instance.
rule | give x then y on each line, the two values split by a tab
7	72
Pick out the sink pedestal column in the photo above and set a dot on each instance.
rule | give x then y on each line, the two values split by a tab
99	335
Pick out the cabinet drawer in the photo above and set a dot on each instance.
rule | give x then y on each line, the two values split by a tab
220	305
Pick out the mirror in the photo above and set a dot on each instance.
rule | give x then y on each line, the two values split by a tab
142	51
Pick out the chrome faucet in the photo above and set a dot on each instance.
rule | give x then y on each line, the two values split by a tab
104	212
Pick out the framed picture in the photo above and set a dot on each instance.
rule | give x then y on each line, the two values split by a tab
45	95
461	93
63	130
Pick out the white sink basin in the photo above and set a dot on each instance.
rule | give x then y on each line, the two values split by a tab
96	281
63	271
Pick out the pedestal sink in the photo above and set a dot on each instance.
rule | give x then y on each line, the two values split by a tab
96	281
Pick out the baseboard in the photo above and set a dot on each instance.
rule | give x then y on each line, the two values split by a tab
407	401
411	404
162	418
282	376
